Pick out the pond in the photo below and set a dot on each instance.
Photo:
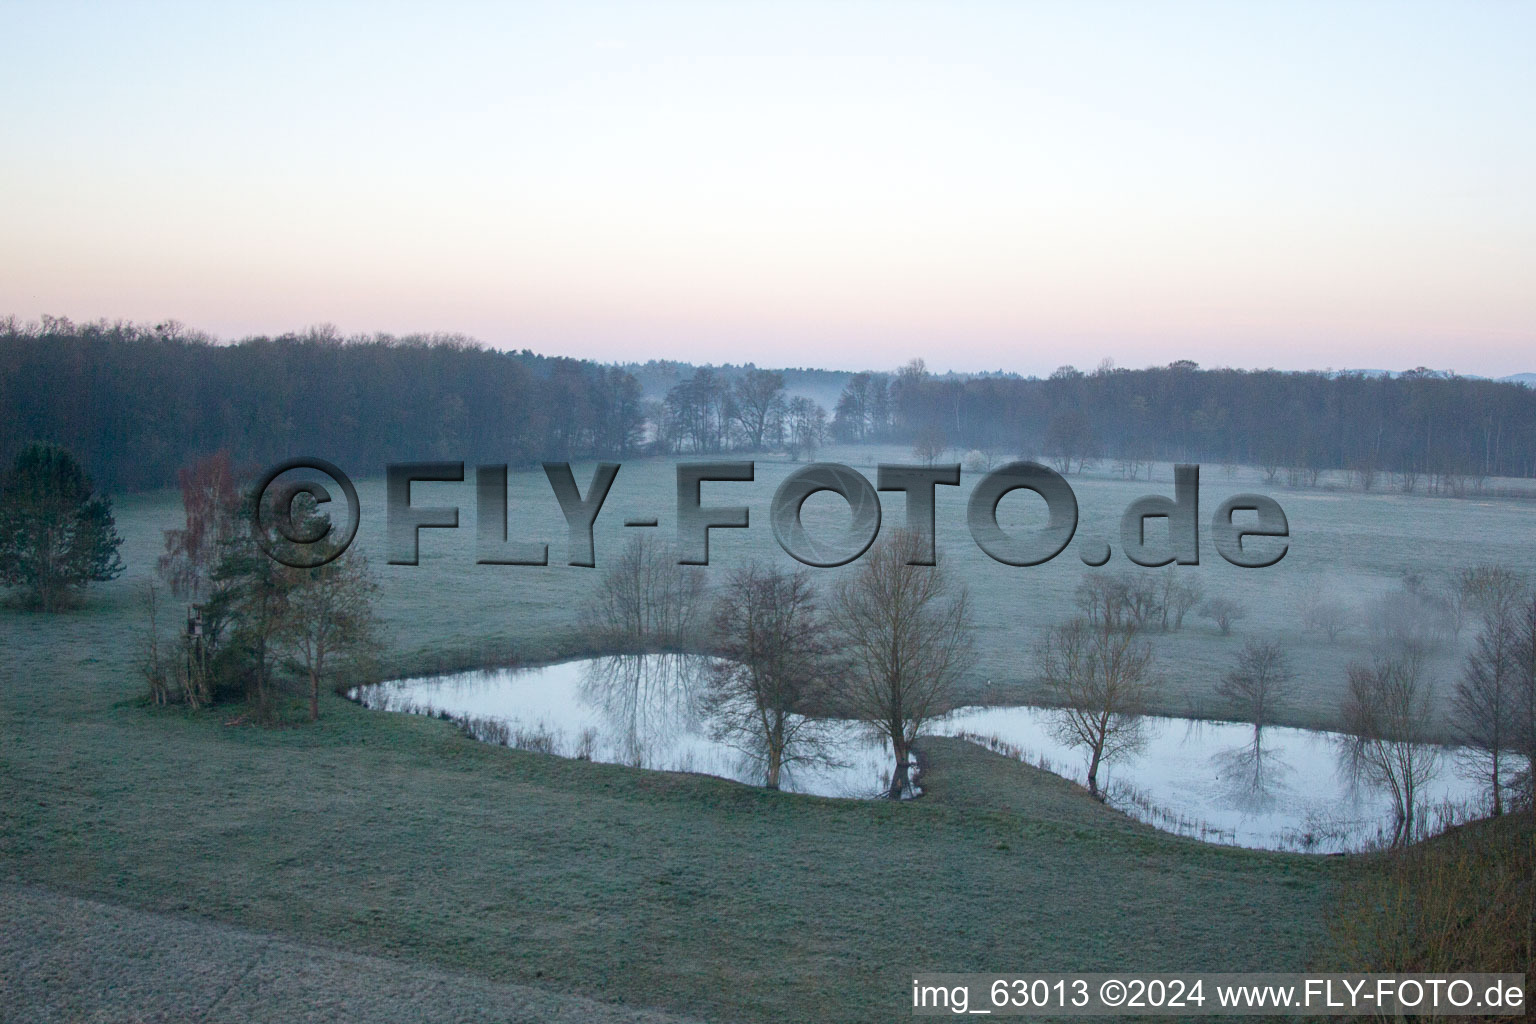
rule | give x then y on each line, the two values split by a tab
638	710
1287	789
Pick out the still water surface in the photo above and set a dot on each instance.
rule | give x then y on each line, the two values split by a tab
1213	780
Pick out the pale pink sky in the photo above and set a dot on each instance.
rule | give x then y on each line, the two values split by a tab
985	185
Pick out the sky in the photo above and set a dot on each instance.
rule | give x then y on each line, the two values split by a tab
985	185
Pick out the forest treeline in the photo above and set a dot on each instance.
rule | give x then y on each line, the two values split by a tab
136	403
1416	429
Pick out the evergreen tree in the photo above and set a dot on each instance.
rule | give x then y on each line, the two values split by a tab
55	534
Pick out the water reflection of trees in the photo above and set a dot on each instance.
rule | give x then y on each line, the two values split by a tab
817	745
1252	774
648	700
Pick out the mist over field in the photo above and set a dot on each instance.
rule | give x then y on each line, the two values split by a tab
736	512
1395	541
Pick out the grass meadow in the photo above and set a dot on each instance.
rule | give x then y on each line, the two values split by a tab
394	835
1349	546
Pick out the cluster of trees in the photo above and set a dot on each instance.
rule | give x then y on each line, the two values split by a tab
144	401
658	376
56	533
1390	704
887	647
1147	600
1156	601
889	643
1389	708
1425	611
1415	430
255	625
646	601
709	412
864	410
1098	670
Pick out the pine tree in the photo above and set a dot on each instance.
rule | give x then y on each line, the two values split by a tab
55	534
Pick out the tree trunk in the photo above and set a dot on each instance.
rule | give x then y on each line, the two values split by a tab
775	763
314	697
1498	802
1093	773
899	776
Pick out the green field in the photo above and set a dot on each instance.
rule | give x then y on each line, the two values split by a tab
395	836
1353	546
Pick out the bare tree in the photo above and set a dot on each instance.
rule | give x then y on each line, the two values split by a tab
929	444
1522	619
1386	712
1131	597
1100	596
807	427
1269	463
760	407
1412	615
1486	592
1178	596
645	601
775	660
1100	675
1070	440
698	411
330	619
155	669
906	630
1259	684
1321	612
1485	706
1225	612
1256	687
1143	599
